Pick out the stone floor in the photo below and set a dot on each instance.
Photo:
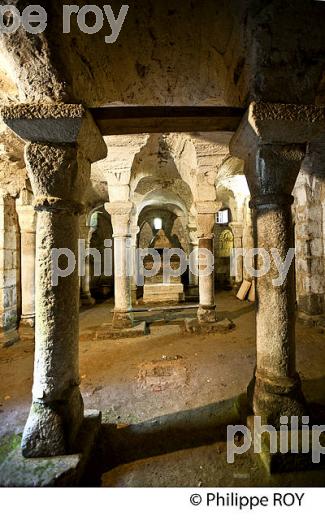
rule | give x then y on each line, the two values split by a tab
165	397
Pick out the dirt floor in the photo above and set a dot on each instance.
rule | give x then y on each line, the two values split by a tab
166	397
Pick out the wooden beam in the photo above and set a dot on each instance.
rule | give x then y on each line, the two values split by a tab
119	120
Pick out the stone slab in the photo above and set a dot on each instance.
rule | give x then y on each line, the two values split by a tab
63	471
162	292
193	326
106	331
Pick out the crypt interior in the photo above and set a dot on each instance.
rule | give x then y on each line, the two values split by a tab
201	127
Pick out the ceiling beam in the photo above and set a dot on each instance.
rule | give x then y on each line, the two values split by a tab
121	120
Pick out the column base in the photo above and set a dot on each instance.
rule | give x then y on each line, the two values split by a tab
106	331
81	468
271	399
207	314
293	458
27	327
52	427
193	326
8	337
122	320
87	300
28	321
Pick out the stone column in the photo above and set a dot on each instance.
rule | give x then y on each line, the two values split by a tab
86	298
27	223
120	214
276	387
134	230
206	217
271	139
62	140
237	231
193	276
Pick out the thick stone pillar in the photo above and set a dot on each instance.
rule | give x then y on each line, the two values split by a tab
62	140
276	387
86	298
271	139
27	224
120	214
206	217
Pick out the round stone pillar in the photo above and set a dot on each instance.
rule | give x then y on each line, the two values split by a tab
237	231
120	215
57	409
276	387
27	224
62	141
193	276
206	217
134	237
86	298
271	171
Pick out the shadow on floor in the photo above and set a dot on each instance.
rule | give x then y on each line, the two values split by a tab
170	433
232	315
122	444
314	391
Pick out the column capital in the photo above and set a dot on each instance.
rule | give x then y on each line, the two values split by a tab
121	208
271	123
58	184
206	207
120	214
272	140
56	123
206	218
272	176
62	140
26	218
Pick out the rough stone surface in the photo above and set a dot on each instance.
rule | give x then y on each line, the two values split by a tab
57	471
107	331
194	326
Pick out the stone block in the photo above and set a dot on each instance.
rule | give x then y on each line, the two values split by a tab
162	292
193	326
107	331
63	471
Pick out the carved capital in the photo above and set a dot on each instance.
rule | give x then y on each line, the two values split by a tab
207	207
120	214
271	123
206	218
57	123
26	218
273	175
57	184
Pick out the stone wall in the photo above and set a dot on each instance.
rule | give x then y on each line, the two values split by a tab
309	212
9	271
